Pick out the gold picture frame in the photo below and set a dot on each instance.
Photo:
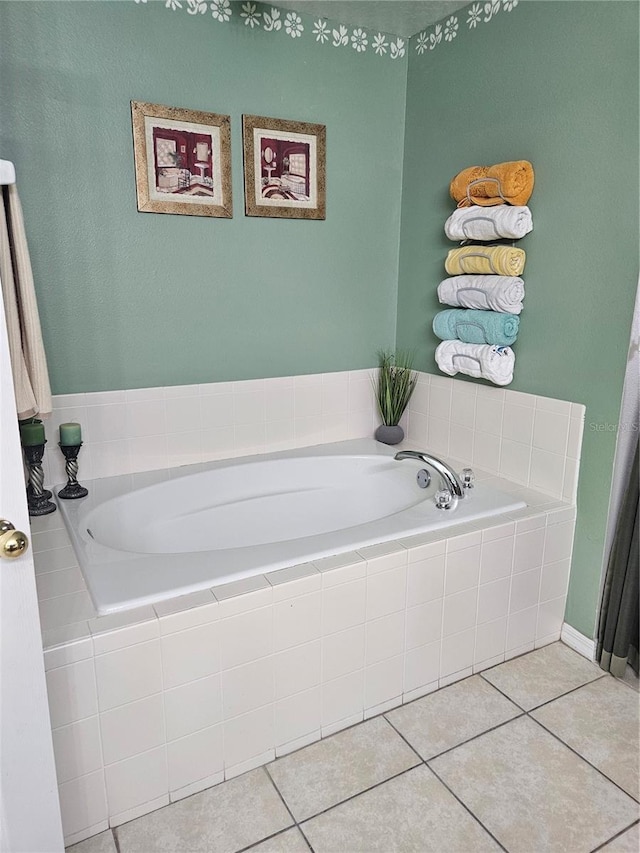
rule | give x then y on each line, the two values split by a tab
182	160
284	168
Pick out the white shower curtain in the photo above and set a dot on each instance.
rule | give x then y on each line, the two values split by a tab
28	359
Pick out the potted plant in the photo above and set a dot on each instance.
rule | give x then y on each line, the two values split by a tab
394	385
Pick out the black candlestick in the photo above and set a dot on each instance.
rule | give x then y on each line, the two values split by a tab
73	489
37	496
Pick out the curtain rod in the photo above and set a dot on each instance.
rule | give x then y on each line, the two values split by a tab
7	172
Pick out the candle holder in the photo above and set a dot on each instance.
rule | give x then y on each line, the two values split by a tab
37	496
73	489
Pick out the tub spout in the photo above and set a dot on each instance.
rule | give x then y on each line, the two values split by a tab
448	476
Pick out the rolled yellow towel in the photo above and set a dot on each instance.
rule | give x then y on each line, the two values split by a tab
510	182
485	260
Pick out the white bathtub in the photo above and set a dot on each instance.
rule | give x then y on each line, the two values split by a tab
228	520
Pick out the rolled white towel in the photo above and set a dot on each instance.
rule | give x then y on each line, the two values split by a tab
503	293
482	361
489	223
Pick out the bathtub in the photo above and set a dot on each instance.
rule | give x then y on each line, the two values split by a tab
201	526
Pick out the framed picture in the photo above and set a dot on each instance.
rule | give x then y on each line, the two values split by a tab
284	168
183	160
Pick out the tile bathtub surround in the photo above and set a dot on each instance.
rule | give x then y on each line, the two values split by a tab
535	441
158	428
531	440
153	705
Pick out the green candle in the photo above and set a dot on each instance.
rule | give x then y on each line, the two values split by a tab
32	433
70	435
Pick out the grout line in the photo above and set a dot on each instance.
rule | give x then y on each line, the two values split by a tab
582	757
567	693
116	840
284	802
609	840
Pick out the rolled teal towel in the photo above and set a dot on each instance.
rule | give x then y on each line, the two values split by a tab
476	327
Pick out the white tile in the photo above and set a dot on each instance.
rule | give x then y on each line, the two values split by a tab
136	781
191	654
425	580
64	582
279	405
490	640
343	653
243	595
247	687
249	406
489	415
440	401
459	611
461	443
107	423
549	404
515	460
66	645
498	531
217	442
525	588
550	618
558	541
457	652
521	629
296	621
418	427
360	393
384	637
183	448
104	398
419	692
493	600
335	393
420	398
517	423
128	674
341	568
308	400
48	540
196	787
119	630
298	743
462	570
82	803
197	756
555	579
452	677
72	693
87	833
53	561
230	772
248	736
528	551
461	540
297	669
131	729
246	637
383	682
65	609
424	547
297	716
486	451
108	458
520	650
216	410
496	559
147	453
421	666
519	398
570	481
340	725
463	405
439	434
574	439
187	611
77	749
182	414
383	557
144	418
551	431
143	395
487	664
424	624
343	698
547	471
193	706
138	811
294	580
343	606
386	592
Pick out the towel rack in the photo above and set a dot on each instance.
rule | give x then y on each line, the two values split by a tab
7	172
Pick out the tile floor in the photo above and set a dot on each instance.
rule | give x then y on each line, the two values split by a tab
537	754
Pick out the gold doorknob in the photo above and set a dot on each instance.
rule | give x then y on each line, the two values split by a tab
13	543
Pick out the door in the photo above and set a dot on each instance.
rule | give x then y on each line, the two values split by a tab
29	806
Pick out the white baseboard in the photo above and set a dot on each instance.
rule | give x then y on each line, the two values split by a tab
578	642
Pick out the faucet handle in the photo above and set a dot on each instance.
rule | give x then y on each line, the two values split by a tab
444	499
467	476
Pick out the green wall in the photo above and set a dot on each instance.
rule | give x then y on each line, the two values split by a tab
555	83
132	299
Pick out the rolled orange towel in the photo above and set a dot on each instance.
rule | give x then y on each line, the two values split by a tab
510	183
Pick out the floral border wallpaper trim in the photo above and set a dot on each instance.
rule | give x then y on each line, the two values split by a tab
270	19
